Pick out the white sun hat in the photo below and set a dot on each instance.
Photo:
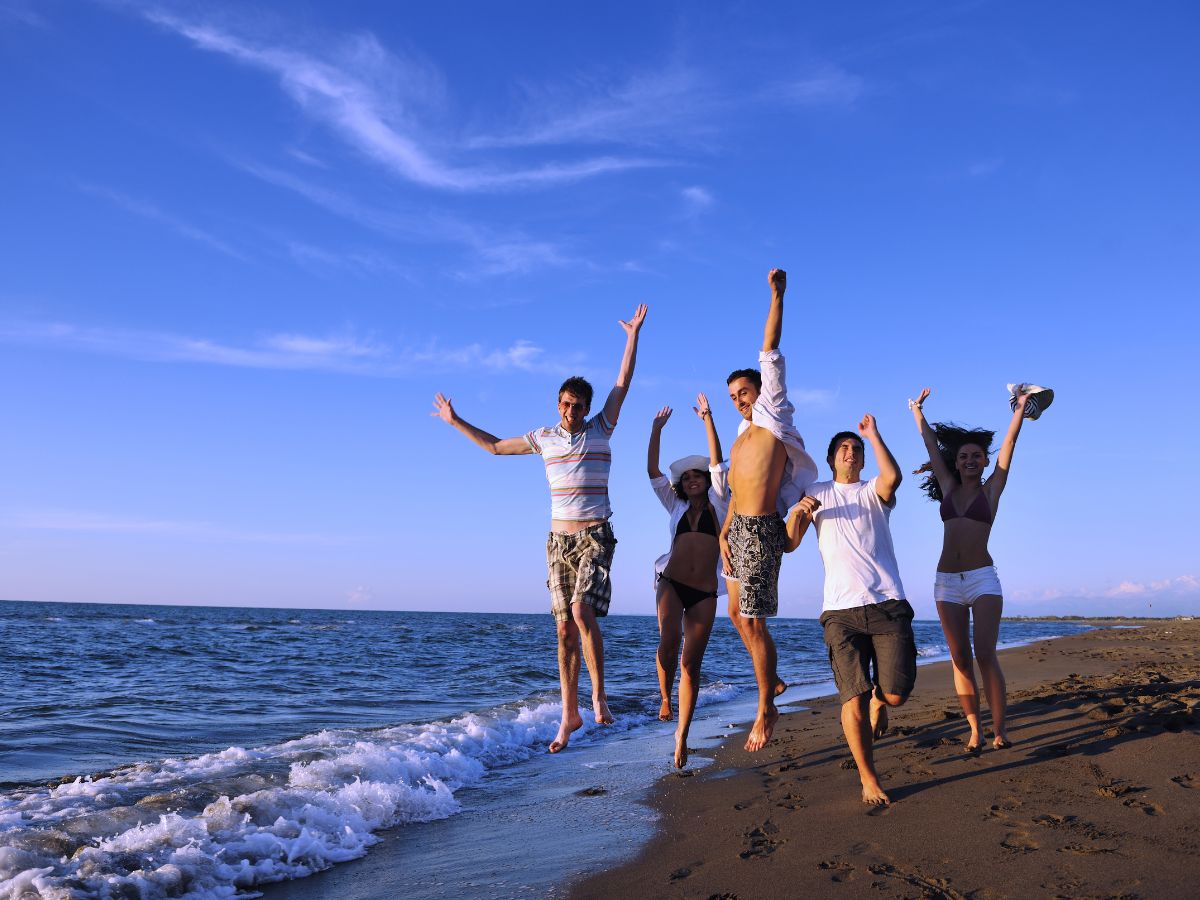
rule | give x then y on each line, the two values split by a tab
1039	400
688	462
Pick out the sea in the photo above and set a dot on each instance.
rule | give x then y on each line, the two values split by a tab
176	751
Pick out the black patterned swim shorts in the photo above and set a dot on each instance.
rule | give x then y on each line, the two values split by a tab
756	549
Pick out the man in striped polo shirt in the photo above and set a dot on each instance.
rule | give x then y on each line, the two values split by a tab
579	549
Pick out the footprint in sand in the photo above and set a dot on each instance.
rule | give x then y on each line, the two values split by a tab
1018	842
1150	809
760	842
680	873
838	871
1086	849
791	801
1187	781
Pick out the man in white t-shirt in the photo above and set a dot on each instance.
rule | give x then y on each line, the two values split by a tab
579	549
867	620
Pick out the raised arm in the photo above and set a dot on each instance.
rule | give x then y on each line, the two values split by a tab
943	475
999	478
612	406
656	427
774	330
444	410
889	472
704	411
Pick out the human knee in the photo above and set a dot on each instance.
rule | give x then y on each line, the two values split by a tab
962	660
856	706
669	641
986	656
568	633
894	699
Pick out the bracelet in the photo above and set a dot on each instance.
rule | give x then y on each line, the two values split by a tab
913	404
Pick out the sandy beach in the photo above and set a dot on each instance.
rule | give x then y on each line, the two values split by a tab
1098	797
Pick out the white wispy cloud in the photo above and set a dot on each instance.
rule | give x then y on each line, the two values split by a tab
696	199
153	213
344	354
649	108
679	106
828	85
1182	584
492	252
371	99
90	522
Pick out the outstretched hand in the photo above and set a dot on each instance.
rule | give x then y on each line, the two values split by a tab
660	418
867	428
1022	399
778	280
443	409
634	325
702	409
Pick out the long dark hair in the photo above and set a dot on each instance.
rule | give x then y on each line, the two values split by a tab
951	438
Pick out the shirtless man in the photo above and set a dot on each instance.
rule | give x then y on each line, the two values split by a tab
580	547
768	472
867	621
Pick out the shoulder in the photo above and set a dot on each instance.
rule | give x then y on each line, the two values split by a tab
599	424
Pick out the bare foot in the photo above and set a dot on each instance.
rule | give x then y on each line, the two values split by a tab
681	751
600	706
664	712
1001	742
873	794
974	743
565	730
764	727
780	685
879	718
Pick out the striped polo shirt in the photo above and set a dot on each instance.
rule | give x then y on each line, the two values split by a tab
577	468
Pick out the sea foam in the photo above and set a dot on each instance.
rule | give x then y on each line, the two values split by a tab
216	825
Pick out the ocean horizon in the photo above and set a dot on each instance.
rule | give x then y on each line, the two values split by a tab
209	751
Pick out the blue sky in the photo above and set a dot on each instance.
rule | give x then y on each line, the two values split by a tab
244	245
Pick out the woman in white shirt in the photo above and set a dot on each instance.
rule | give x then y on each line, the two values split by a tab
687	577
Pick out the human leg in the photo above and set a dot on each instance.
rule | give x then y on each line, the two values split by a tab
568	677
988	610
697	626
856	725
593	654
670	633
756	551
894	650
956	625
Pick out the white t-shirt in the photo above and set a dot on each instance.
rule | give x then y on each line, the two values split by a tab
855	541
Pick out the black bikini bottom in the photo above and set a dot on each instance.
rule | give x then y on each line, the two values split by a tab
688	595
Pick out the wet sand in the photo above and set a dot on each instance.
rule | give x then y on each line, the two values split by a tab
1099	796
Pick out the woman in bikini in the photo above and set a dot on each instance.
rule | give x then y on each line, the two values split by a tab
696	498
966	582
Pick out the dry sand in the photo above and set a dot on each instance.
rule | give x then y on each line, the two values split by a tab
1098	797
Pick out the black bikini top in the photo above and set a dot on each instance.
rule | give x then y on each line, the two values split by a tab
706	525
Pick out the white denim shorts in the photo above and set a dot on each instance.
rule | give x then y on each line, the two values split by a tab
964	588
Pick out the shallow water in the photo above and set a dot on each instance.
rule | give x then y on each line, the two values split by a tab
203	751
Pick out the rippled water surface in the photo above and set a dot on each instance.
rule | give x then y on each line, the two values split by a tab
203	751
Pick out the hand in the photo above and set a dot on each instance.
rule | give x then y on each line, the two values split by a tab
702	408
806	507
443	409
867	428
660	418
634	325
1022	399
778	281
726	560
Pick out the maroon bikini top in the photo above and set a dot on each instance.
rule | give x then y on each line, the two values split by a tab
979	510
